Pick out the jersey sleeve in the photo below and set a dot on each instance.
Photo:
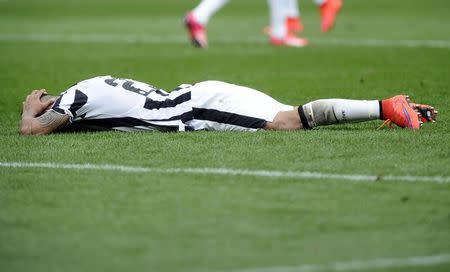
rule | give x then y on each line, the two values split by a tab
71	102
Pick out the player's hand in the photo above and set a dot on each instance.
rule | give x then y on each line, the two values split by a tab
33	106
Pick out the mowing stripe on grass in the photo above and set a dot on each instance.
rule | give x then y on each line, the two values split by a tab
358	265
227	172
146	39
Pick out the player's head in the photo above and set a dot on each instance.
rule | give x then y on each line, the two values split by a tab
38	100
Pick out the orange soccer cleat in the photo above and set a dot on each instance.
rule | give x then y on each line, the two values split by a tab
197	31
406	114
289	40
328	13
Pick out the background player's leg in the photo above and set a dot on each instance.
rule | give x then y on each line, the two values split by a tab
292	9
277	17
293	22
279	31
207	8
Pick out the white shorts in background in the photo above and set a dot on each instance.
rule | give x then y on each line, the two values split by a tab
222	106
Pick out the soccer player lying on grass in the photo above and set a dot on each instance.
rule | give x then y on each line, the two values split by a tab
108	103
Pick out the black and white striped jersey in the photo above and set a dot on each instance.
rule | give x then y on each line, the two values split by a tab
105	102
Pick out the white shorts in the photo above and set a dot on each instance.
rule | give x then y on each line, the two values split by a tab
222	106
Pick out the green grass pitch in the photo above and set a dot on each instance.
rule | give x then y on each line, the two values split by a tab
87	220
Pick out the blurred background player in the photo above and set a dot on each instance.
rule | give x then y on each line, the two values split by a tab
197	19
328	12
284	17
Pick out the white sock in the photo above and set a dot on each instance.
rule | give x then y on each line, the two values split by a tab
332	111
292	9
278	17
206	9
319	2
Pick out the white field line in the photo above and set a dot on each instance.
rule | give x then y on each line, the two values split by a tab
147	39
228	172
358	265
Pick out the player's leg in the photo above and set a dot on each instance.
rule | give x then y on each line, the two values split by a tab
398	109
279	32
222	106
197	19
328	12
227	107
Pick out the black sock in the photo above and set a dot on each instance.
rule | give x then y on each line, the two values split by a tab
303	119
381	109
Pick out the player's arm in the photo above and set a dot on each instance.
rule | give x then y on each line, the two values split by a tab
35	123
